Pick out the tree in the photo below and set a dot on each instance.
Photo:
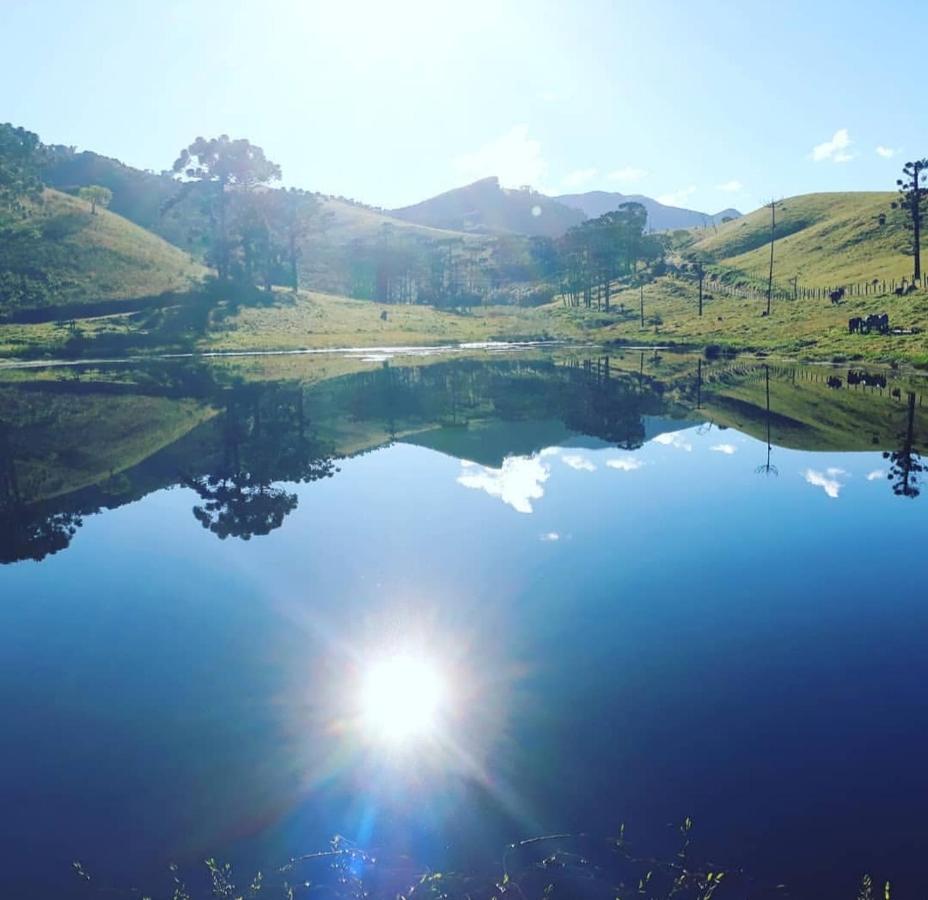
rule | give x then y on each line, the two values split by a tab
264	441
96	195
906	462
21	155
700	260
295	211
911	200
225	165
598	251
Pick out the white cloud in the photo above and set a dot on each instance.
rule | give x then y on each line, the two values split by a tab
549	537
674	439
727	449
677	198
827	480
578	462
627	174
514	157
885	152
730	187
876	474
625	463
517	483
579	178
552	95
837	149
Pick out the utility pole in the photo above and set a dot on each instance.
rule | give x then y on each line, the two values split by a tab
701	274
773	225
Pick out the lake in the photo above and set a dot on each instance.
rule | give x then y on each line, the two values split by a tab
652	587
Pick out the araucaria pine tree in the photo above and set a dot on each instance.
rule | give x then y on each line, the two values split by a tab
912	195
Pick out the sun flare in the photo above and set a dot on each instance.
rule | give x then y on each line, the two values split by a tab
402	699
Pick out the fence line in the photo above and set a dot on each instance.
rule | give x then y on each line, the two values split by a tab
873	288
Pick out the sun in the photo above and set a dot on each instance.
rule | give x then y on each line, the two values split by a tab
402	699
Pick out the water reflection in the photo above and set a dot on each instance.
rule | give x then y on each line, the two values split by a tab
570	541
905	462
78	444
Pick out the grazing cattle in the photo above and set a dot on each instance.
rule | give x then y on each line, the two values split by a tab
854	323
834	382
383	316
879	321
866	378
896	394
899	291
836	296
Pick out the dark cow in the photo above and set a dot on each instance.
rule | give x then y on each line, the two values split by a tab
834	382
874	322
865	378
878	322
836	296
854	323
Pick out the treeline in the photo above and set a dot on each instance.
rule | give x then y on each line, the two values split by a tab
587	261
402	266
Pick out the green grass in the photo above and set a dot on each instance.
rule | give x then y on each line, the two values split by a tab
324	320
280	321
804	329
64	256
826	239
823	239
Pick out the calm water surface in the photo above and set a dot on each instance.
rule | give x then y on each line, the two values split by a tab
658	587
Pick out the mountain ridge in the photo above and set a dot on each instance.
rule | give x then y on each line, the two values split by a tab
486	207
661	216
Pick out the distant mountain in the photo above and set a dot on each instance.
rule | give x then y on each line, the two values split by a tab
660	217
486	207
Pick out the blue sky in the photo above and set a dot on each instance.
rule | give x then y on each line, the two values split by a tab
706	104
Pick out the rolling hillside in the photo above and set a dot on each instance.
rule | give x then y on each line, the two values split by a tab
823	239
64	256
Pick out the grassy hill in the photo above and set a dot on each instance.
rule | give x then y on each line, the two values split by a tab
328	249
823	239
62	256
